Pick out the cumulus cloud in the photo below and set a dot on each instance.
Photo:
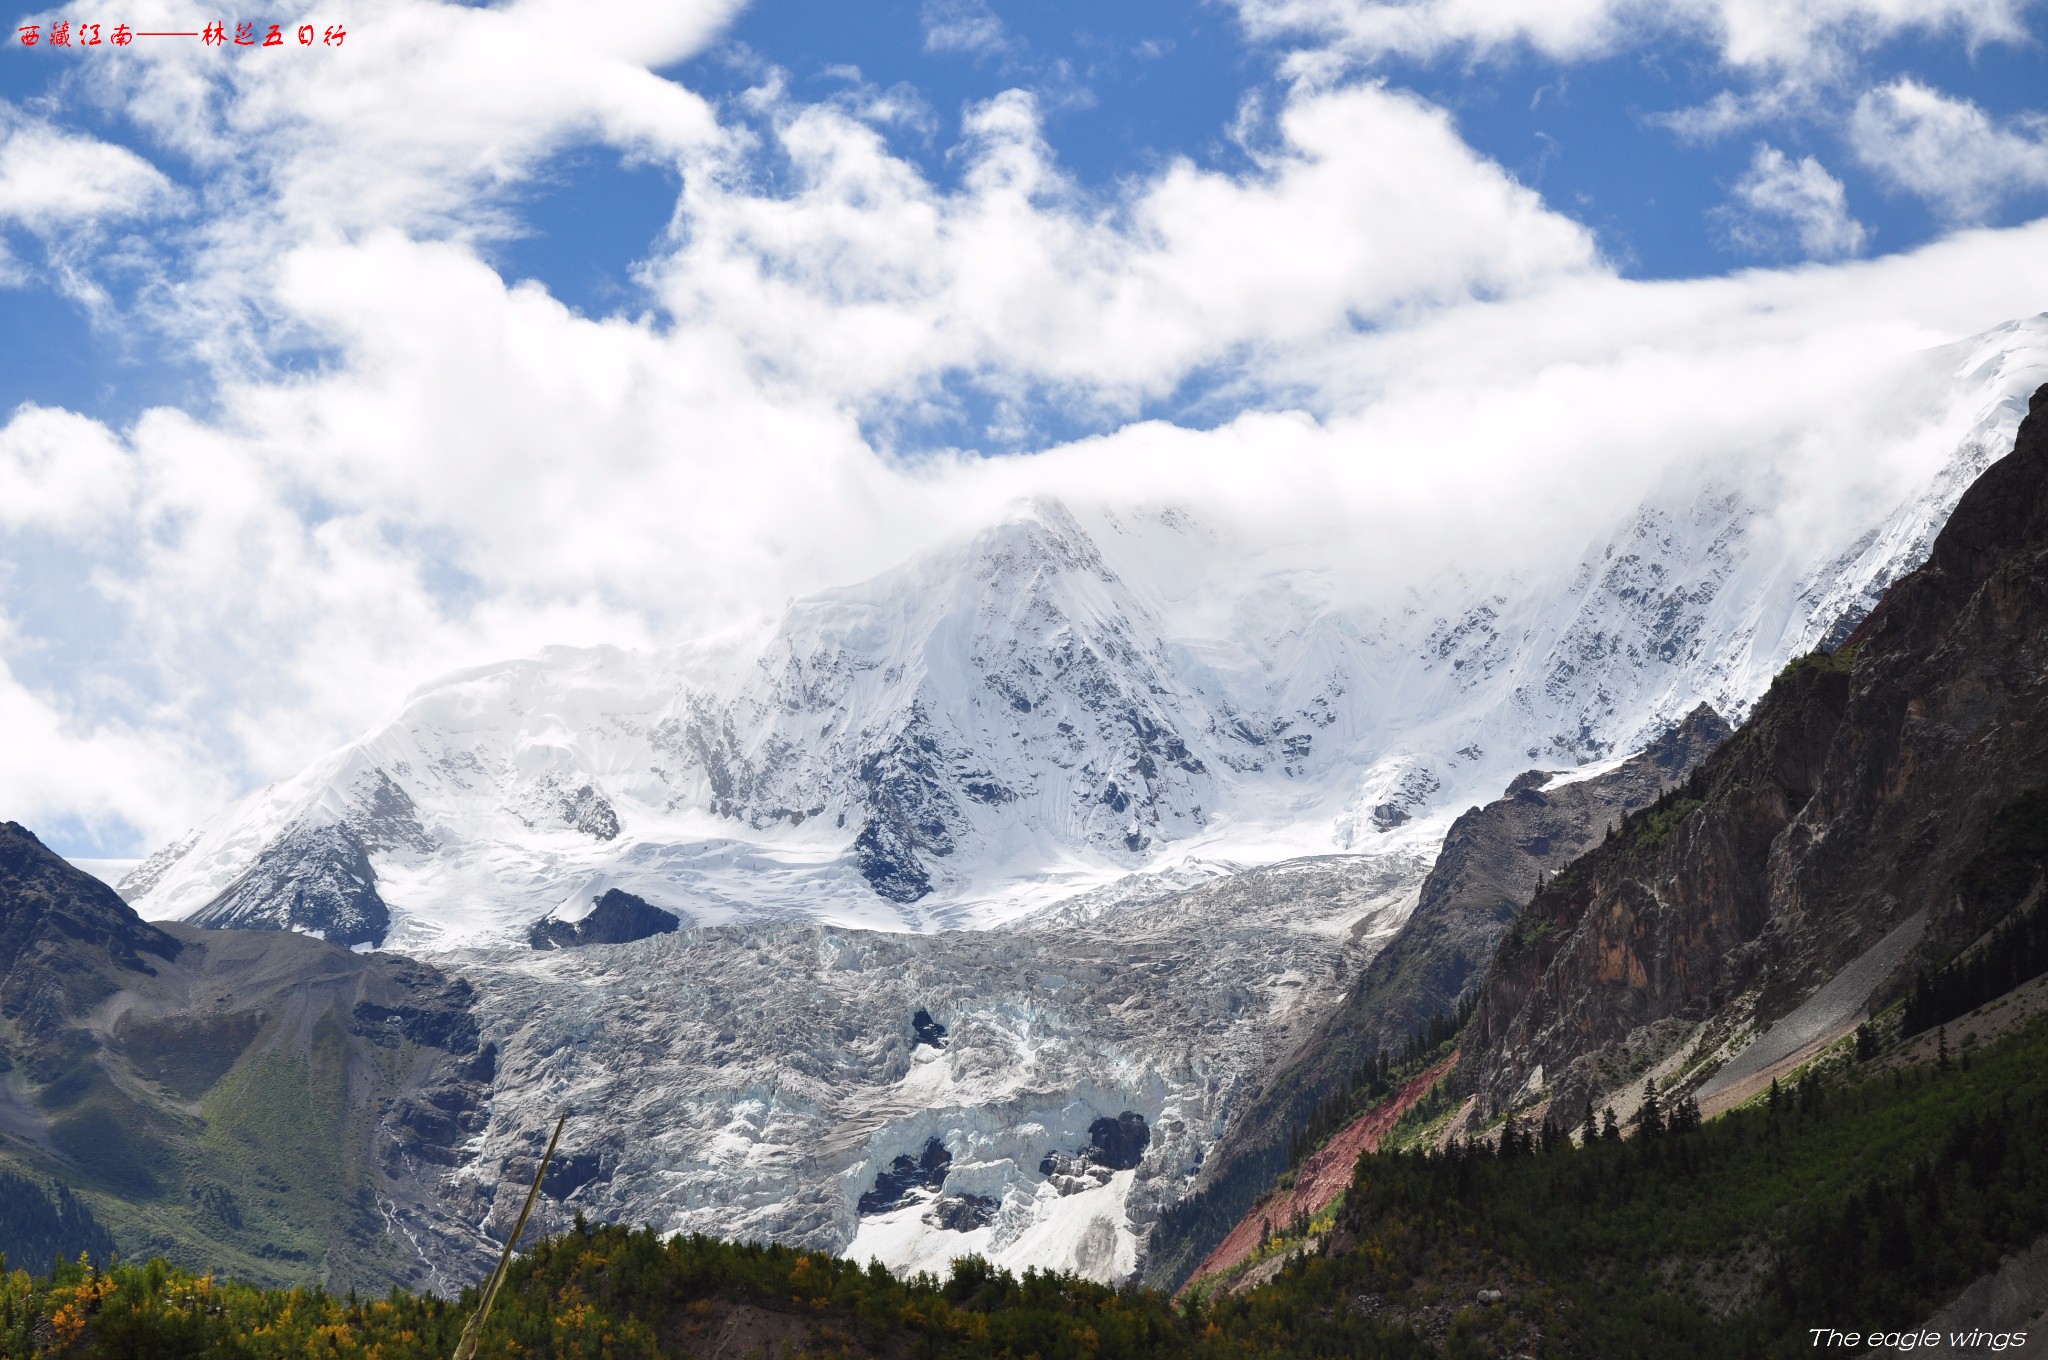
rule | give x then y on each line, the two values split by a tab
59	471
869	282
97	775
1782	206
1947	150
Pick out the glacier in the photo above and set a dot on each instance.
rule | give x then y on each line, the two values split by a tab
1120	805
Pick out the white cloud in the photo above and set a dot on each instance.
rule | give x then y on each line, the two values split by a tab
1783	205
1948	151
963	26
105	777
1751	34
51	179
870	283
59	471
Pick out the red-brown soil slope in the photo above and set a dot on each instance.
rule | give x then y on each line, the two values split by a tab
1323	1175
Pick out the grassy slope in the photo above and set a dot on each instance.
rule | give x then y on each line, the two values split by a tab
261	1184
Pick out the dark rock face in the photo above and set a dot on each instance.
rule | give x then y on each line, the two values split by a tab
1489	865
898	1183
618	918
568	1173
64	936
961	1213
436	1011
928	1030
587	811
1862	791
910	814
316	880
1119	1143
1491	860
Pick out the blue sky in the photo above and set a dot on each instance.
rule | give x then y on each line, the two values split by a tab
326	371
1125	89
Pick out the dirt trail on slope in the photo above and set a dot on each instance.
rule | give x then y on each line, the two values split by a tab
1322	1176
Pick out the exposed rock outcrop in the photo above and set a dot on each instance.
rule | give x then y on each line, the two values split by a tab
897	1183
1118	1143
615	918
316	880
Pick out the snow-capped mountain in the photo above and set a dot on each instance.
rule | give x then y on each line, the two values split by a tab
1067	697
1197	788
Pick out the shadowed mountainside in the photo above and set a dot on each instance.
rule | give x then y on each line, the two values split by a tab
254	1101
1855	809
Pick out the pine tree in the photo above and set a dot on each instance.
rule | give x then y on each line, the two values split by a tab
1588	1129
1941	1049
1650	1116
1610	1127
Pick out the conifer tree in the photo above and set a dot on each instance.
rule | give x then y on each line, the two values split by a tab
1650	1115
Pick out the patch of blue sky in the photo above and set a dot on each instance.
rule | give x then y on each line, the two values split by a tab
587	219
1123	87
972	412
1126	87
76	837
54	350
1591	137
1582	136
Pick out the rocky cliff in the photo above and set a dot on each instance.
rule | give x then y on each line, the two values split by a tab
1844	836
